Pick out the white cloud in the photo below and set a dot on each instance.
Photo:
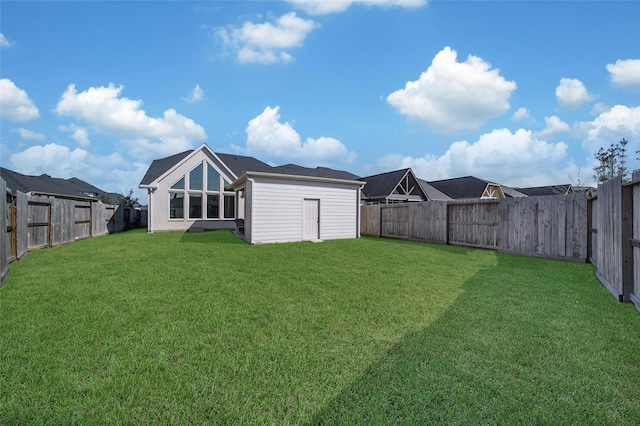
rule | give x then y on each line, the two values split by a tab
571	93
197	95
15	103
147	138
28	134
110	173
267	42
553	125
454	96
609	127
323	7
274	140
521	114
78	134
4	42
625	73
514	159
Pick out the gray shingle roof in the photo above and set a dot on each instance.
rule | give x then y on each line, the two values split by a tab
432	192
238	164
381	185
46	184
462	187
546	190
158	167
323	172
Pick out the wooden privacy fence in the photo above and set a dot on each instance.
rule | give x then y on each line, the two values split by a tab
551	226
46	222
615	237
30	222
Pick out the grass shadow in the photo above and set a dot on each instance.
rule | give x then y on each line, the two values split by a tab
529	341
220	236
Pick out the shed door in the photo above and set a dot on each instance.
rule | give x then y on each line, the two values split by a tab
311	220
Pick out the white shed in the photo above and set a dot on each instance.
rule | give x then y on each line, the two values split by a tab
292	203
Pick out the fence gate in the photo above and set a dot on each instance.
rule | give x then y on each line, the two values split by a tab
39	222
394	221
473	224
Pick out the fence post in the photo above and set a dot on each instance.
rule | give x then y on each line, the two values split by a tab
627	242
4	257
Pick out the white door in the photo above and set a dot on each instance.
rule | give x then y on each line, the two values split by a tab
311	220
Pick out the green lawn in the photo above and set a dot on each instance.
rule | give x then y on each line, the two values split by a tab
204	329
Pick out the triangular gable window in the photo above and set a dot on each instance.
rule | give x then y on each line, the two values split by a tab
179	184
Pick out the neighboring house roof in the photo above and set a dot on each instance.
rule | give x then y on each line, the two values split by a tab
237	164
397	185
322	172
432	192
547	190
464	187
45	184
513	192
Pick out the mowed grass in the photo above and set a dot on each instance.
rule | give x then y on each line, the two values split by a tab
205	329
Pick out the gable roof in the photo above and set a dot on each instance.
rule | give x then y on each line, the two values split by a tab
45	184
462	187
382	184
396	185
237	164
160	166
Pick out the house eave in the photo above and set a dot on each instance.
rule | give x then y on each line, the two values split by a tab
239	183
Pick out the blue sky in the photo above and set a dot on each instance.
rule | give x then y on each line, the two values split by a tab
522	93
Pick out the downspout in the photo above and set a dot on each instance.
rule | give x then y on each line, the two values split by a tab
149	215
358	216
252	181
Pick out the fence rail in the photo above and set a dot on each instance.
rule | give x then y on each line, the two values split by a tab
551	226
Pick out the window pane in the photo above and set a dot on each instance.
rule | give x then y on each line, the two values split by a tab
229	206
195	206
226	185
195	178
213	179
176	206
179	184
213	206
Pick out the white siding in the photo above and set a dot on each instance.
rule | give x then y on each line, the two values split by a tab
277	209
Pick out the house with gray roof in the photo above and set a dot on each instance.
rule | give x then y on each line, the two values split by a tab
191	189
471	187
397	186
46	185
